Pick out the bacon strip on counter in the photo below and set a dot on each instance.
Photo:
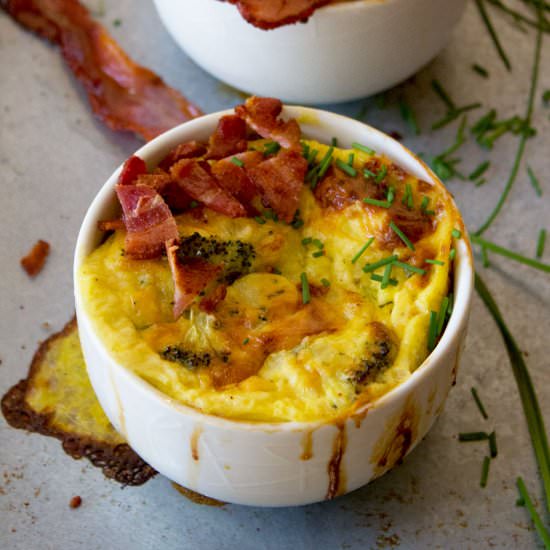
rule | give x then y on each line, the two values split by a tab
123	94
34	261
149	222
280	180
276	13
190	277
195	179
262	115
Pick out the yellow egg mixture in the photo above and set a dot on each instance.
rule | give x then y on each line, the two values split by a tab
351	343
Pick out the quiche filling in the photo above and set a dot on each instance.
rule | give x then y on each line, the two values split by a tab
310	284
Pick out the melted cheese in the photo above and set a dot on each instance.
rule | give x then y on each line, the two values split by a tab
360	340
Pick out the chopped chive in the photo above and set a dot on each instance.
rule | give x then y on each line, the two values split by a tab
318	254
325	282
402	236
473	436
387	275
546	97
484	471
334	142
432	330
318	243
452	254
541	241
379	279
482	71
325	162
363	148
271	148
306	241
434	262
440	91
493	444
351	159
484	123
442	316
305	289
117	22
268	214
368	173
451	304
193	204
424	203
492	32
531	408
408	115
509	254
480	182
528	503
391	194
456	233
277	271
259	219
411	268
376	202
407	197
305	150
479	403
479	170
245	341
381	174
485	257
534	182
371	267
237	162
350	170
362	250
453	115
312	156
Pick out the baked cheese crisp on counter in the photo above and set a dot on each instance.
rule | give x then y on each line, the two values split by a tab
265	277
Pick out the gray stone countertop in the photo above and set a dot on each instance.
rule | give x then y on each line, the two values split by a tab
54	156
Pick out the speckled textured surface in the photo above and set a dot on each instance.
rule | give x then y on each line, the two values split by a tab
54	157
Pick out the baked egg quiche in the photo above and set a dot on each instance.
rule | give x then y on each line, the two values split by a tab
266	277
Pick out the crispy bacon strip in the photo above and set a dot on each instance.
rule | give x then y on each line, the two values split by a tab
229	138
149	222
235	179
122	94
276	13
188	150
280	180
190	278
262	114
192	176
110	225
34	261
131	169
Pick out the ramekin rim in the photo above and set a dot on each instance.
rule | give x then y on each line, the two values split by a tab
463	276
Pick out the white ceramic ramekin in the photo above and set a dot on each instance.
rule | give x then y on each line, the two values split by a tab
272	464
345	51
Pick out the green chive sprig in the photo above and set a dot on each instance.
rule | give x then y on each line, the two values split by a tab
306	297
528	503
349	170
481	71
473	436
541	241
402	236
362	250
479	170
493	34
510	254
375	265
531	408
534	182
485	471
363	148
493	444
479	403
237	162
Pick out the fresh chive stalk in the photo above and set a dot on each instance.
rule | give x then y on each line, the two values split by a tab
485	471
492	32
372	267
362	148
434	262
493	444
473	436
325	282
410	268
509	254
432	330
541	241
237	162
524	136
349	170
362	250
376	202
379	279
402	236
381	174
481	71
306	297
479	403
481	169
528	503
531	408
534	182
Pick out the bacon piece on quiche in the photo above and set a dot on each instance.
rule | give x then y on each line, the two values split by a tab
262	115
233	176
280	180
148	220
195	179
188	150
229	138
123	94
131	169
190	277
276	13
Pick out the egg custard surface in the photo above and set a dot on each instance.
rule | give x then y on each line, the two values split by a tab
305	320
